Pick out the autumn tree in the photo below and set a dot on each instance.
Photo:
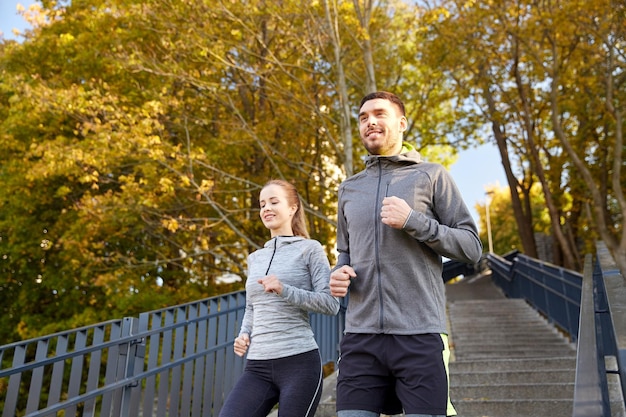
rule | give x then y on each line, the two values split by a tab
548	79
504	229
137	135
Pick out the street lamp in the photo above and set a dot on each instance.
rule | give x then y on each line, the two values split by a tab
489	194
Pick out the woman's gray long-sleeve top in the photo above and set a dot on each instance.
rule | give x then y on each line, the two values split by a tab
278	325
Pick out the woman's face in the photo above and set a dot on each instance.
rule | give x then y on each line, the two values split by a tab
276	212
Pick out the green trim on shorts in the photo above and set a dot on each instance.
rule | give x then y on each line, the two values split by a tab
450	411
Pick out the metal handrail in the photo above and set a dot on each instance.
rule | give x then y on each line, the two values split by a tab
173	361
590	386
552	290
610	312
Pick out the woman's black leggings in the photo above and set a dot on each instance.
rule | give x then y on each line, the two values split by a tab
294	382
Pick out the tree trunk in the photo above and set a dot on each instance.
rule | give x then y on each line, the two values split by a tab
601	220
346	131
566	250
522	218
364	15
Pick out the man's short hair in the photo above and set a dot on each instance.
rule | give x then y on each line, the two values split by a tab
385	96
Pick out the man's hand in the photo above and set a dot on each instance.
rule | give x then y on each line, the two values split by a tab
340	281
394	212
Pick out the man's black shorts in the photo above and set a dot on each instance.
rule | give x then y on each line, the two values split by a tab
390	374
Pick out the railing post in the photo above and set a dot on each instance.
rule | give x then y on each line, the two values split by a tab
131	356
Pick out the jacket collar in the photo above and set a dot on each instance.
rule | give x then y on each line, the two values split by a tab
279	241
407	156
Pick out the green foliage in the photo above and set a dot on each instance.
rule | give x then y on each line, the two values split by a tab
136	137
548	79
504	229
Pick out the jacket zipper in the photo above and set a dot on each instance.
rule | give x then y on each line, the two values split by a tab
377	231
272	258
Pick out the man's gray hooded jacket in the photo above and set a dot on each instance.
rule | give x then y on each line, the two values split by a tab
398	287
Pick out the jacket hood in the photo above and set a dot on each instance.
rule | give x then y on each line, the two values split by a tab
407	156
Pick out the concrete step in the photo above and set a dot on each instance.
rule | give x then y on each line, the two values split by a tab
537	407
485	355
521	391
326	409
507	360
502	342
487	377
513	365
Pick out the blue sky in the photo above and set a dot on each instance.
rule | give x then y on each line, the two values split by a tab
475	169
9	18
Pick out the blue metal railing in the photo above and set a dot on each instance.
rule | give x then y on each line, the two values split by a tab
452	269
552	290
176	361
590	307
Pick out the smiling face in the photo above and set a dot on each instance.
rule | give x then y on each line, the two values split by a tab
381	125
276	212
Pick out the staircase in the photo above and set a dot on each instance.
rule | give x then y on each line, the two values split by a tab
506	359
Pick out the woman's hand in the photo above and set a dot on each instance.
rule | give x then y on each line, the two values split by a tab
241	344
272	284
